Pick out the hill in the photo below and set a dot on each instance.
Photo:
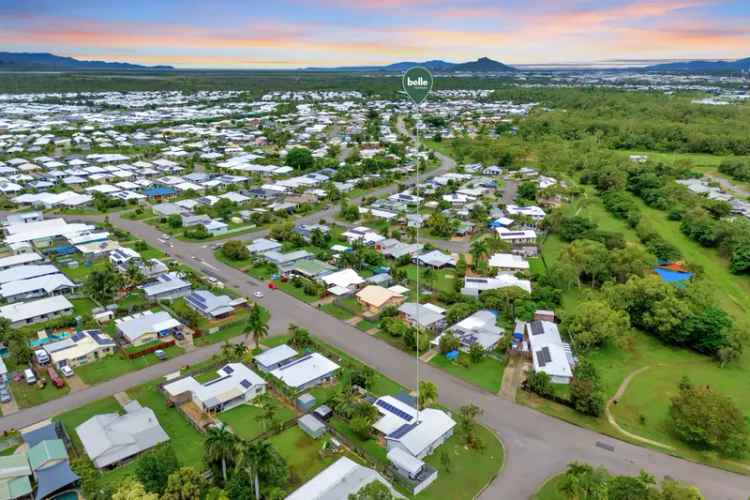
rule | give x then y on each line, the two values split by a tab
30	61
481	65
703	66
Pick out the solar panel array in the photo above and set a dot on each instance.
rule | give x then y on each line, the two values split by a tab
165	277
246	384
543	357
228	369
536	328
197	301
401	431
392	409
96	335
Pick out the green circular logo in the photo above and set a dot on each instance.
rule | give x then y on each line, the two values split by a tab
417	83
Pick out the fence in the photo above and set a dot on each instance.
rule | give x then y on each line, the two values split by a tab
147	350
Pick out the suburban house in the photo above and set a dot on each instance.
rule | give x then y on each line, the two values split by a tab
286	259
549	353
339	480
364	235
80	348
123	256
305	372
234	385
48	459
475	286
416	473
421	437
395	249
479	328
533	212
14	476
41	286
342	282
166	286
212	306
263	245
523	241
375	298
26	313
395	412
436	259
275	357
147	326
509	262
22	259
110	439
427	316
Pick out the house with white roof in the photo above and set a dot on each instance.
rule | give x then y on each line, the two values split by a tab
23	259
110	439
80	348
141	328
211	305
509	262
427	316
339	480
263	245
275	357
40	286
305	372
26	313
234	385
346	280
436	259
479	328
473	286
534	212
424	435
548	351
166	286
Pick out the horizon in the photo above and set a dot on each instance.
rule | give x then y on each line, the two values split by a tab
291	34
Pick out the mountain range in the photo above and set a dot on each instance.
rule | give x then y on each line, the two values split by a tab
703	66
30	61
481	65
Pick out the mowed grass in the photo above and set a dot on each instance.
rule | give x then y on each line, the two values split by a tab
245	420
550	489
487	374
116	364
30	395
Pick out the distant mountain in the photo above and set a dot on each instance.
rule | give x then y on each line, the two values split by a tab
481	65
703	66
28	61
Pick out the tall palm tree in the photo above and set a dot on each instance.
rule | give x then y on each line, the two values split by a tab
257	325
251	456
428	394
220	446
478	251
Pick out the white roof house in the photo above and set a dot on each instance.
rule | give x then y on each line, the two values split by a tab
274	357
339	480
41	286
394	414
307	371
532	211
43	230
479	328
346	278
475	285
27	272
20	260
80	348
262	245
166	286
549	353
509	261
422	437
210	304
235	384
111	438
37	310
149	322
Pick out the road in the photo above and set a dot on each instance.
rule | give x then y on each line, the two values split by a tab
536	445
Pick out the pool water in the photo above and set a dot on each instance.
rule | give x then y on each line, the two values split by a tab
67	495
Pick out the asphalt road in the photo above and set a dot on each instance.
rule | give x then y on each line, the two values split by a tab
536	445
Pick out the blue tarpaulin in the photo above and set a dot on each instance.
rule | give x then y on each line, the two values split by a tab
672	276
451	356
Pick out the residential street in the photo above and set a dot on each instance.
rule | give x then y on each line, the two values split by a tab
536	445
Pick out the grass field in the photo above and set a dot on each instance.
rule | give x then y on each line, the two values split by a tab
549	490
487	374
115	365
336	311
245	420
30	395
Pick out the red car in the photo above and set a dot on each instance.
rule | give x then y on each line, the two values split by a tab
55	378
272	286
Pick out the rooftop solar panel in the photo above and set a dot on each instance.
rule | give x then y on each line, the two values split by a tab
228	369
244	383
392	409
543	357
536	328
401	431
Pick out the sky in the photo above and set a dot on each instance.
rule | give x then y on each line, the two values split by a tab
279	34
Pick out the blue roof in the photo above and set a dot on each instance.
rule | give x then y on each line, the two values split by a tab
672	276
159	191
46	433
52	479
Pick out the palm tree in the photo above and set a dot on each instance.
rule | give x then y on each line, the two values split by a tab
428	393
478	251
265	401
227	351
251	457
239	350
257	325
220	446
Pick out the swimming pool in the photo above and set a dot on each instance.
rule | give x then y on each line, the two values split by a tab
67	495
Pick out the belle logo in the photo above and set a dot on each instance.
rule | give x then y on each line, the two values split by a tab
419	82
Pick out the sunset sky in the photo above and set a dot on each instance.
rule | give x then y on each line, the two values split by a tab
297	33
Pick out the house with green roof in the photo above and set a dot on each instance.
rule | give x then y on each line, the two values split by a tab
14	476
46	454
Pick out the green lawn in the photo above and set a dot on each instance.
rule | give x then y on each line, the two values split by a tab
239	264
549	490
115	365
302	454
336	311
487	374
262	271
83	306
80	273
366	325
225	333
246	422
442	279
30	395
297	293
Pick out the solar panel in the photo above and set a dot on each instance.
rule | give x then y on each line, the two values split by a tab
392	409
197	297
244	383
165	277
228	369
543	357
536	328
401	431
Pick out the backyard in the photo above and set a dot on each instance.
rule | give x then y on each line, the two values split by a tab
116	364
247	420
487	374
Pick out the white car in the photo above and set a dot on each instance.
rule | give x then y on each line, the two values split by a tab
258	294
67	371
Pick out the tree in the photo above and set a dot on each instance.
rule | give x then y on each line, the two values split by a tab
267	470
130	489
449	342
266	402
460	311
257	324
174	221
103	284
540	383
583	482
300	159
589	258
373	491
428	393
235	250
575	227
133	275
585	389
300	337
467	422
527	191
630	487
219	449
20	350
154	468
593	323
185	484
707	419
476	352
478	251
445	461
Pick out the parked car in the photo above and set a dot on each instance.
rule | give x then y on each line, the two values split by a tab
5	396
179	336
29	376
272	286
159	353
258	294
67	371
41	356
55	377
